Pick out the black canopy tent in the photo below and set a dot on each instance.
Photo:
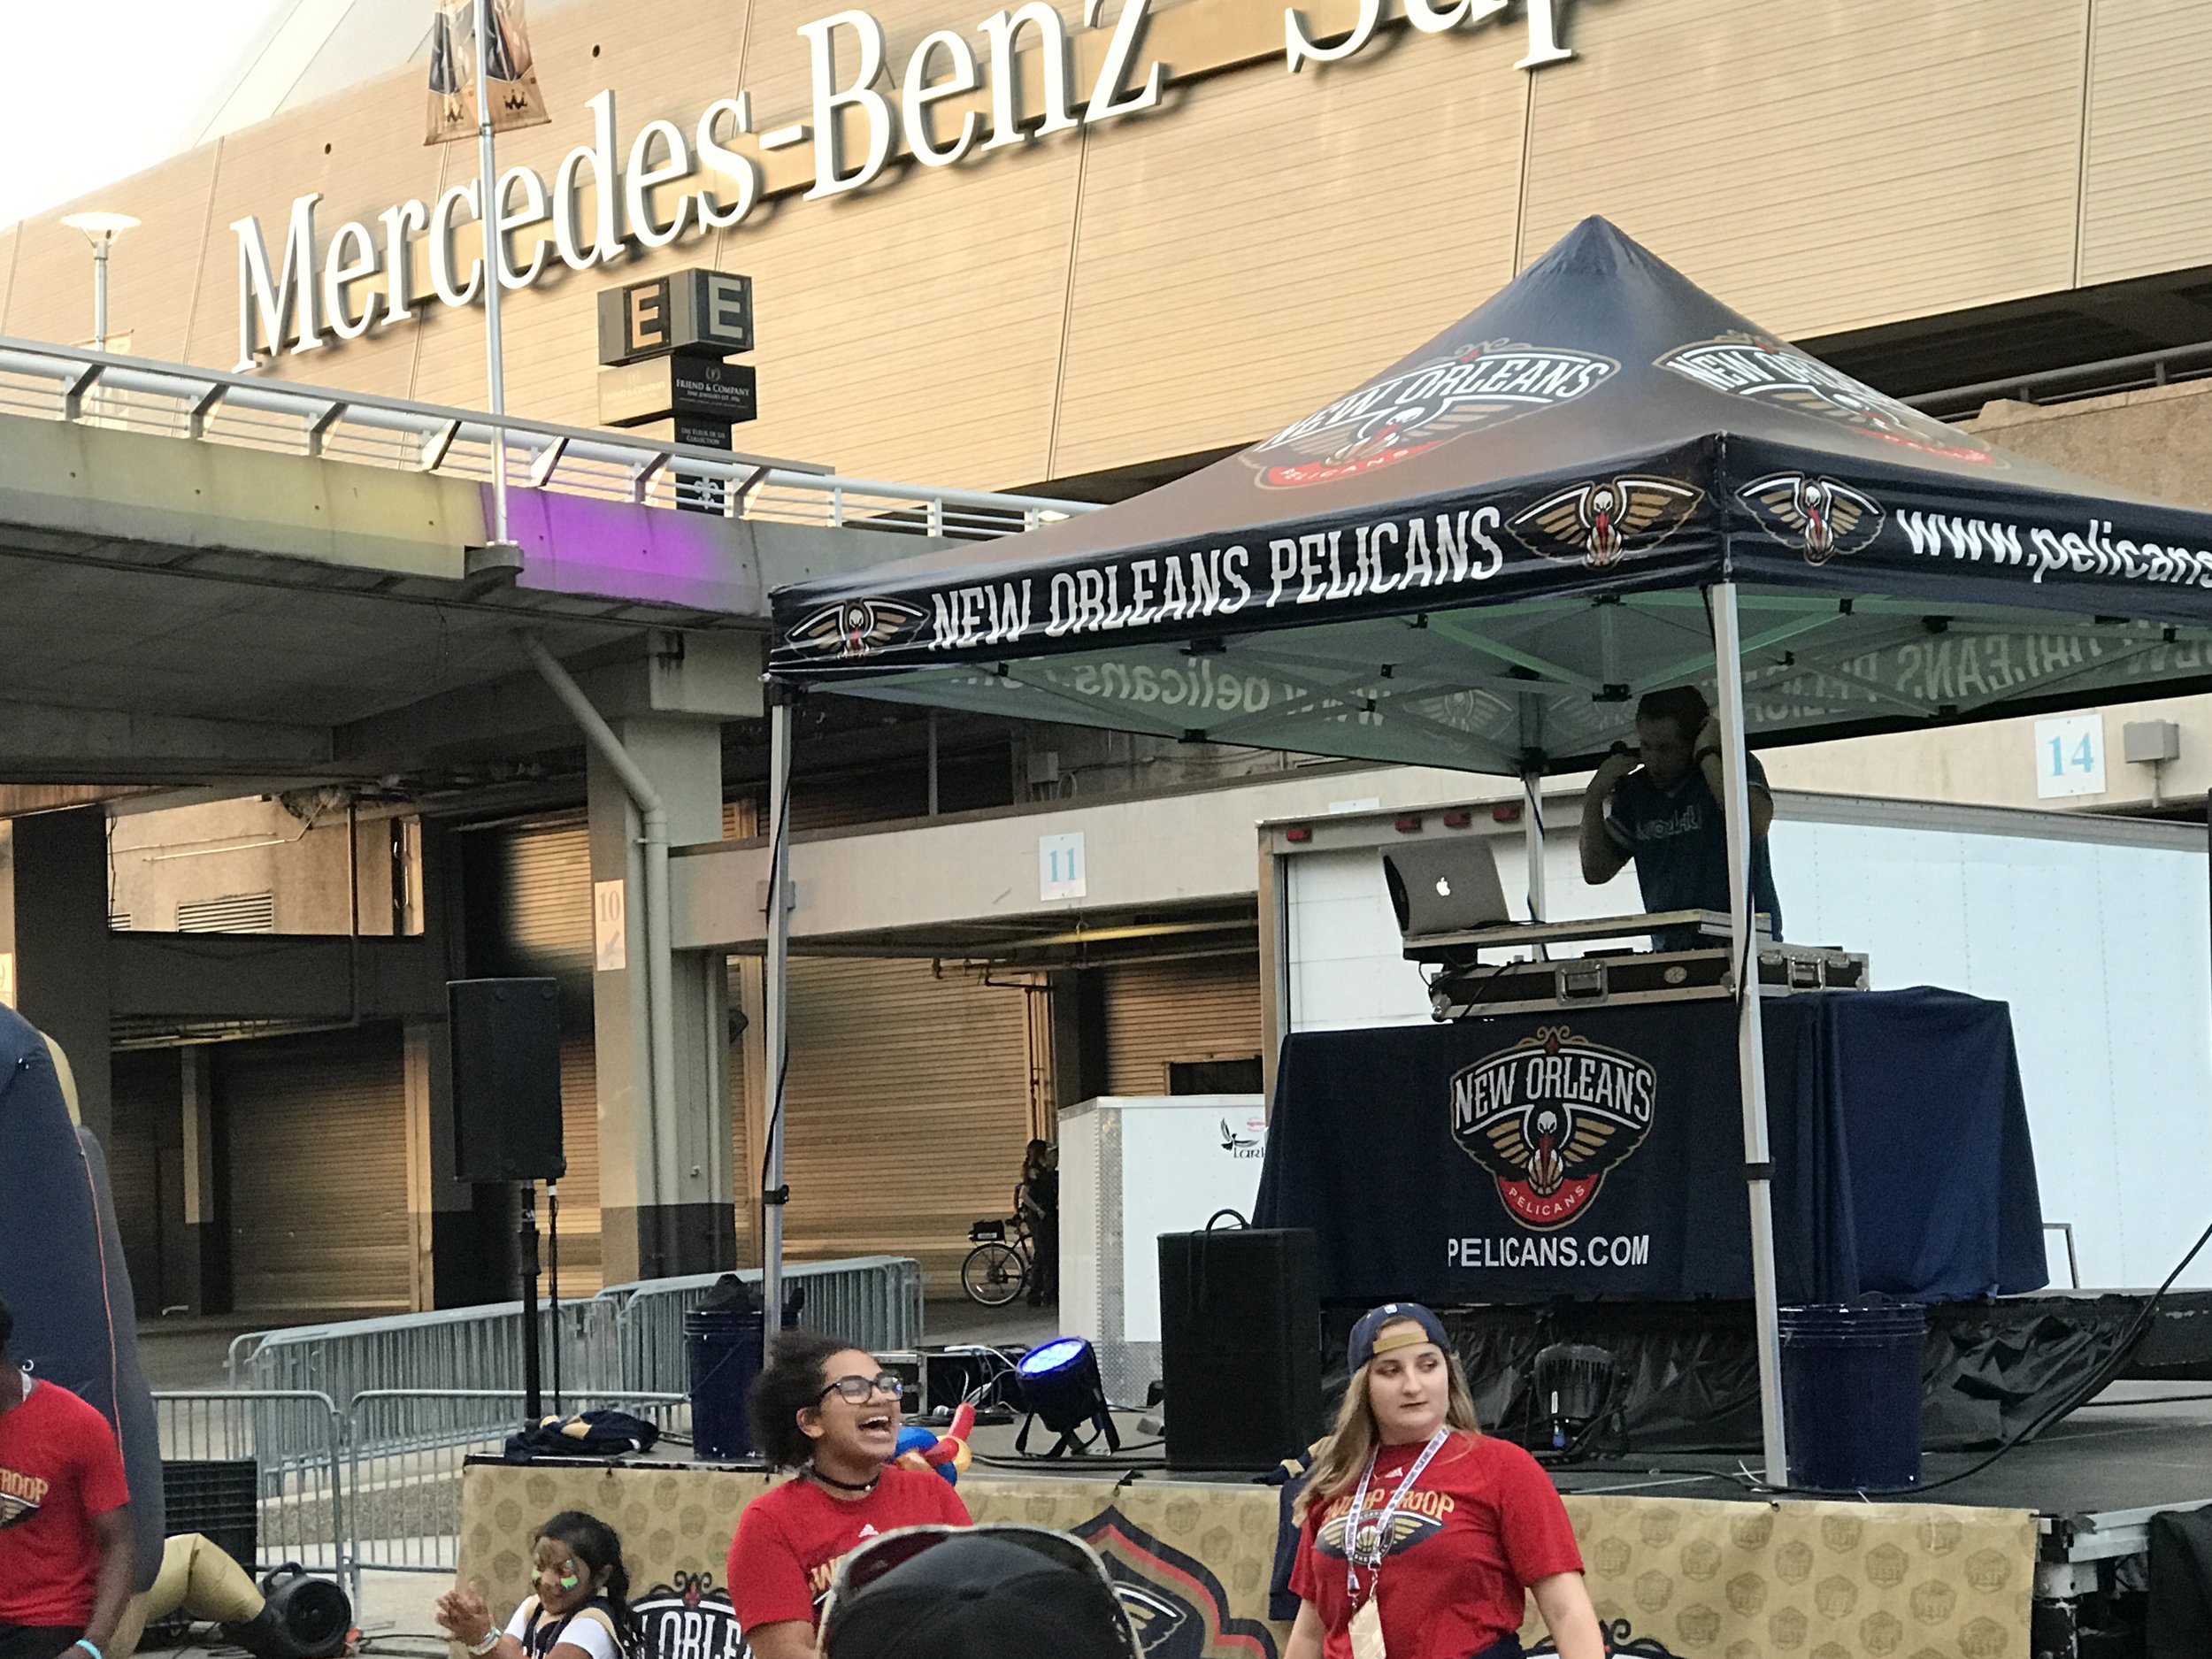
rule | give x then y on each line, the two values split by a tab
1600	482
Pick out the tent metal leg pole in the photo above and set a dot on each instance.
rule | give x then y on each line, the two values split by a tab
776	998
1750	1048
1532	839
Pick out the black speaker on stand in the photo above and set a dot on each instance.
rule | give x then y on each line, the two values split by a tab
505	1037
1239	1346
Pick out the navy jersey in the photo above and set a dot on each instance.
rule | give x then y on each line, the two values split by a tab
1679	842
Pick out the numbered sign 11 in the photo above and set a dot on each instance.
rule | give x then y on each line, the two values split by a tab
1060	866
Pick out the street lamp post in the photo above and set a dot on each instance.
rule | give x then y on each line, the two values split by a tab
101	230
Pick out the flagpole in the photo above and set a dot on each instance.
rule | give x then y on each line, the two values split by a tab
487	216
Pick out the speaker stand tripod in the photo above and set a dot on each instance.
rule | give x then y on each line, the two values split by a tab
527	1238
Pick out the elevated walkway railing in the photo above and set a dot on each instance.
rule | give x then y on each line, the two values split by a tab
105	390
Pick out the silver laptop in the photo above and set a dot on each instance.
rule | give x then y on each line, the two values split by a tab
1448	886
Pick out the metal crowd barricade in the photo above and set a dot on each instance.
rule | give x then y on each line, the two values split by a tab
628	1337
406	1448
873	1302
264	1462
454	1348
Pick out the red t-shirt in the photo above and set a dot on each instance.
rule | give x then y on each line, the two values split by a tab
59	1469
791	1539
1483	1522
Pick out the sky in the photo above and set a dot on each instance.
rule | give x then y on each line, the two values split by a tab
99	90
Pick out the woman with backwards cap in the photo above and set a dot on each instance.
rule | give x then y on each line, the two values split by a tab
1423	1537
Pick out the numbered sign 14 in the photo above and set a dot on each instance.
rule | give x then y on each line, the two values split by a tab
2070	755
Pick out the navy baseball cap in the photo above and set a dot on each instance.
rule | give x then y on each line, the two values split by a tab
1361	1348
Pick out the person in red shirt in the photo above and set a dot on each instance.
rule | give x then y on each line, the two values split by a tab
1421	1537
832	1413
65	1542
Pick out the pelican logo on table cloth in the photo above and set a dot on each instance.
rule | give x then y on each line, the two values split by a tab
1766	372
1413	412
1597	521
1179	1606
687	1619
1548	1116
856	627
1818	517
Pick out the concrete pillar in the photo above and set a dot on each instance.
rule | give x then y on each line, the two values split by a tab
58	905
753	1066
666	1190
205	1276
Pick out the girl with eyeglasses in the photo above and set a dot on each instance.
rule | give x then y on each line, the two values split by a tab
832	1413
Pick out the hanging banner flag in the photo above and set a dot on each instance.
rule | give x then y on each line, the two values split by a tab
515	99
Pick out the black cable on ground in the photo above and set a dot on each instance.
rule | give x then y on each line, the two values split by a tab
2100	1381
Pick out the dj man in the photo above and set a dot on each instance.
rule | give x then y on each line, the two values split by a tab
1661	806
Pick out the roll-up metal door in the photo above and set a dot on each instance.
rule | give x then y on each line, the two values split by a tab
142	1085
1158	1013
317	1129
543	874
908	1108
580	1252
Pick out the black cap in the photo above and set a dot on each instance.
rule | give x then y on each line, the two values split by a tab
973	1595
1362	1347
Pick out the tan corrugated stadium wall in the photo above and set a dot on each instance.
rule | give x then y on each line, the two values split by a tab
1820	166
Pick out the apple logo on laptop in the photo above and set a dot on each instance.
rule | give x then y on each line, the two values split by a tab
1443	887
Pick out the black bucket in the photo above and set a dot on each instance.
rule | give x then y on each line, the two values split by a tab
1851	1396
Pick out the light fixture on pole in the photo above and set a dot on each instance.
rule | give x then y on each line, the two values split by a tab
101	230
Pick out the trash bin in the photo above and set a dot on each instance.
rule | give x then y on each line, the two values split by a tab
1851	1396
722	1338
723	1345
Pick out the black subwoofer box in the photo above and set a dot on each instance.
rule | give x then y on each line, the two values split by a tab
1239	1346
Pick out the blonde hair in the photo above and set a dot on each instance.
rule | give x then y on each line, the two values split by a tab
1342	1456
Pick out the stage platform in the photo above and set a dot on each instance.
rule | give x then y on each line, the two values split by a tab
2092	1480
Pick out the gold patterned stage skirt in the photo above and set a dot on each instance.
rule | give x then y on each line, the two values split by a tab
1192	1560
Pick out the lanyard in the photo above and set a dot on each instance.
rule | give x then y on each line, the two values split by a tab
1382	1523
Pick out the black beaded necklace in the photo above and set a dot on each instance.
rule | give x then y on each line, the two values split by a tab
863	1487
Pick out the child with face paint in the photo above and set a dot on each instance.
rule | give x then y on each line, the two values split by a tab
578	1608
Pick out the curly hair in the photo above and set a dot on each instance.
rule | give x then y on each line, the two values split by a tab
789	1383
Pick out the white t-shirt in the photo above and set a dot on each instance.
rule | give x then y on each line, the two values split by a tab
589	1627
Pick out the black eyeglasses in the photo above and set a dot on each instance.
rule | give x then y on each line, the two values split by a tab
857	1389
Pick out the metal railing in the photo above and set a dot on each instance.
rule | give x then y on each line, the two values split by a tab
175	400
405	1449
287	1445
2132	374
872	1302
626	1337
465	1348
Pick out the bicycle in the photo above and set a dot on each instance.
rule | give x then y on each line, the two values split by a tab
997	1270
